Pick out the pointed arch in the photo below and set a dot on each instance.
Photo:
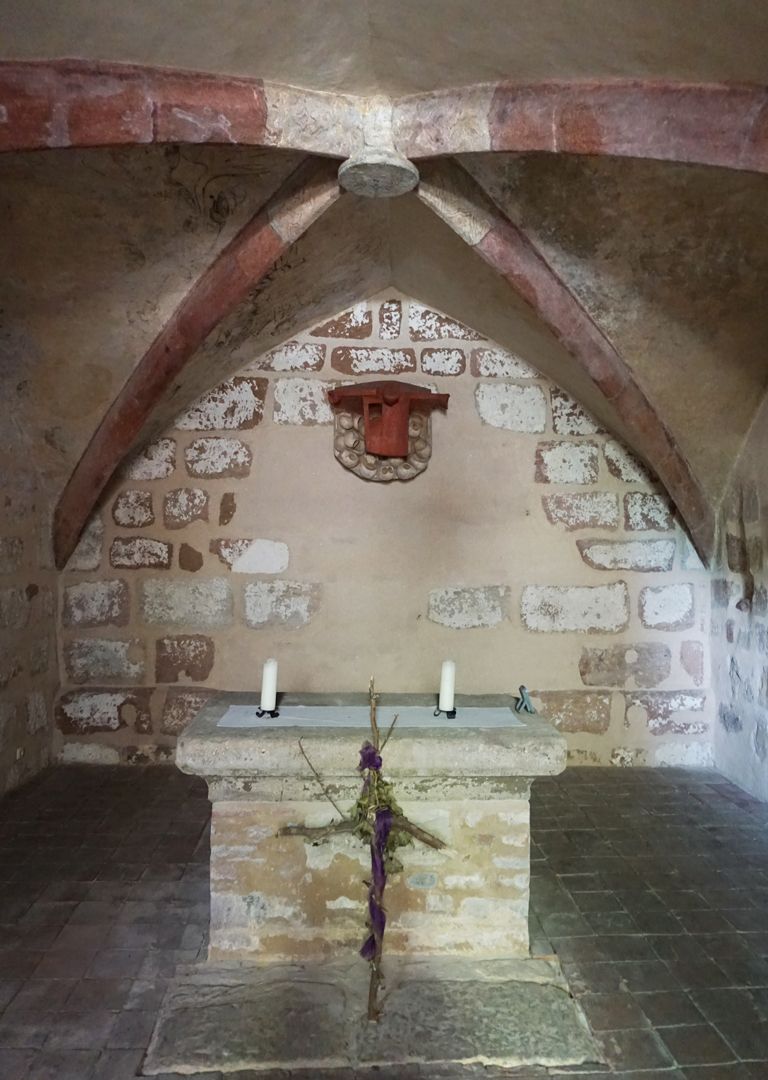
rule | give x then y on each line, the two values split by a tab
460	202
307	193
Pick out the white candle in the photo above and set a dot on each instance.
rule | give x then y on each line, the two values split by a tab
269	685
447	686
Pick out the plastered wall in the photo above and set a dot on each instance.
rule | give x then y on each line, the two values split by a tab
28	668
534	549
740	621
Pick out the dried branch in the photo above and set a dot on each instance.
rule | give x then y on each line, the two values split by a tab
428	838
375	797
316	833
374	1012
389	732
373	698
321	782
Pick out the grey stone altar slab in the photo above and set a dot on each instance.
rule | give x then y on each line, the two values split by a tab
505	1013
357	716
528	747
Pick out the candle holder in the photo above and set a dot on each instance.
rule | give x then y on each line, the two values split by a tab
524	703
274	713
450	713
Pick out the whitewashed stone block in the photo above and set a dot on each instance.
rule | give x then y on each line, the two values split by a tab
424	324
623	465
359	360
87	753
7	719
252	556
140	552
442	361
587	609
95	659
11	662
293	356
645	510
689	559
37	712
39	657
568	417
11	554
87	554
96	603
464	607
289	604
218	457
500	364
132	509
667	712
192	604
184	505
582	509
302	401
156	461
512	407
96	711
566	463
643	556
687	755
14	608
667	607
235	404
356	322
390	319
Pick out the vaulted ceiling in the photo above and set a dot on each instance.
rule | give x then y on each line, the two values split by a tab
162	228
400	46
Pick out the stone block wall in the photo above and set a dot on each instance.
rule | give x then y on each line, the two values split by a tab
28	668
534	549
740	620
285	899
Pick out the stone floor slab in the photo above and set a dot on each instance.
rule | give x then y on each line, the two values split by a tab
313	1017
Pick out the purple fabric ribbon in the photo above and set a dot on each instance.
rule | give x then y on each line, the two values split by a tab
370	758
376	914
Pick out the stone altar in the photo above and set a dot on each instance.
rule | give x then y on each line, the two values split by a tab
284	898
284	986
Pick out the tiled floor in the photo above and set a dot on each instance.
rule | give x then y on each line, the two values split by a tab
651	885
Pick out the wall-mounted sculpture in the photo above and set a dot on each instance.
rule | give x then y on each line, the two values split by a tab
383	429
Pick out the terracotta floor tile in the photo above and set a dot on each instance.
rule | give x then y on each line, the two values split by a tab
611	1012
696	1044
633	1050
664	1008
654	887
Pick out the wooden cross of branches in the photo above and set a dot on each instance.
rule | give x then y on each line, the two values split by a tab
378	820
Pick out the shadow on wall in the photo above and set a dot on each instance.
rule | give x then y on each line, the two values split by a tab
28	669
740	622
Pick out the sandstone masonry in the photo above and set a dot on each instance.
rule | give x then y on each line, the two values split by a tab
535	548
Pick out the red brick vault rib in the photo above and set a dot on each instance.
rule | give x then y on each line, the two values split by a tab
454	196
56	103
48	104
698	123
307	193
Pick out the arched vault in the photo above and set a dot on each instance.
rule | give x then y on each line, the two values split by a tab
78	103
178	223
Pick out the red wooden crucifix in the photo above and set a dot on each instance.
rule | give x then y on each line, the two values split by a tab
386	406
